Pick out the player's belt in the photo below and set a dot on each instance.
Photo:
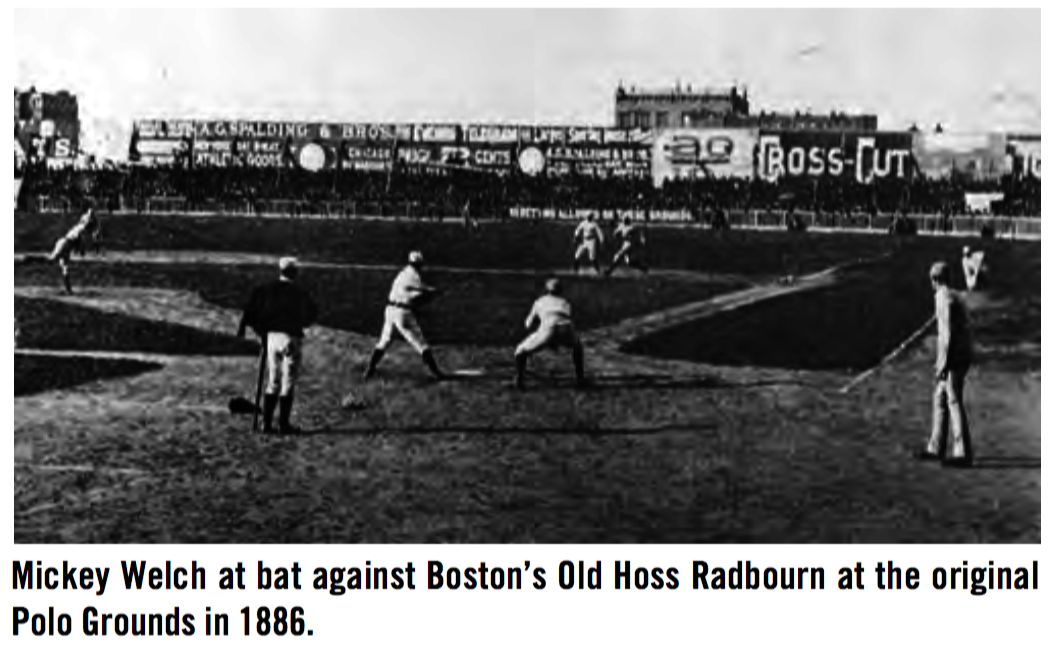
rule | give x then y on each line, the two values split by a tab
406	307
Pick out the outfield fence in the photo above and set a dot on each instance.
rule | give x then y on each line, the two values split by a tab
764	220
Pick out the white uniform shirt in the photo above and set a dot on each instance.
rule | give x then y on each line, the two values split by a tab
971	265
550	311
407	287
76	232
629	233
588	231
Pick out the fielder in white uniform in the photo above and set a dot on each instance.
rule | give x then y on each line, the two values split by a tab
63	252
406	295
588	239
632	244
551	324
972	266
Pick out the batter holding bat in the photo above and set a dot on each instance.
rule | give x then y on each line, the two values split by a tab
407	294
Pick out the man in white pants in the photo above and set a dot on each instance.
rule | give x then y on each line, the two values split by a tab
950	441
63	251
589	239
972	266
280	312
406	295
551	324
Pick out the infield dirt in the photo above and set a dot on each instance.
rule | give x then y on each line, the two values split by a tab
715	414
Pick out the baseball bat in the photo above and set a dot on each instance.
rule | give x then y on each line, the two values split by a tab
258	385
888	359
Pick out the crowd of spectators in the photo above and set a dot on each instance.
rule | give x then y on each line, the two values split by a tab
446	192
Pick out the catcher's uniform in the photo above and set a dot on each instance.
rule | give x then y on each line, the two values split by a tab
588	235
553	317
407	292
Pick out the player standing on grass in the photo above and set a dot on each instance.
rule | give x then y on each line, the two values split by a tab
551	324
280	312
972	266
62	253
588	239
954	353
407	294
88	227
632	242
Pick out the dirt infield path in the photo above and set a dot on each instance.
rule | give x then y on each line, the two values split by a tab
659	450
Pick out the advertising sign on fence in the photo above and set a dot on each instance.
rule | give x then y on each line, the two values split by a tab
499	149
862	157
703	153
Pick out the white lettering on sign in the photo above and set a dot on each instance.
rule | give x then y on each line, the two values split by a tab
550	135
694	148
436	133
882	162
413	155
492	134
584	135
492	158
368	153
871	162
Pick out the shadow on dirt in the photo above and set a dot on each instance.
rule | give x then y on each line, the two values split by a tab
39	374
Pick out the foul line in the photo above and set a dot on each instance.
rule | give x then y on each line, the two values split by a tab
888	359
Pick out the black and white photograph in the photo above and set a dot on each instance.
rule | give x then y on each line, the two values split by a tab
529	276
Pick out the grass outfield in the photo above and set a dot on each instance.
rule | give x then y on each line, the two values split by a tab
480	309
55	325
676	446
852	324
37	374
521	245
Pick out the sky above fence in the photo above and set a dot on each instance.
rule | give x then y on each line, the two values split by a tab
970	70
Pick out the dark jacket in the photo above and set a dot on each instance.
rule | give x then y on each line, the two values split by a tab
954	347
279	307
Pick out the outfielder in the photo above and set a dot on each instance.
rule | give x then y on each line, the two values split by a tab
632	242
63	252
588	238
551	324
280	312
91	227
972	266
407	294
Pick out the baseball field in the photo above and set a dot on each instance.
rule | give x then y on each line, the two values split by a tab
716	412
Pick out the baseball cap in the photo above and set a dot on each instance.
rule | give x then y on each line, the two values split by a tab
415	257
288	263
553	286
966	250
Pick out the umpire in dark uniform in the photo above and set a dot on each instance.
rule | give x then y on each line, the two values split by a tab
280	312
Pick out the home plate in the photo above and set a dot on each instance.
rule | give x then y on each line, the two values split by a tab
470	373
